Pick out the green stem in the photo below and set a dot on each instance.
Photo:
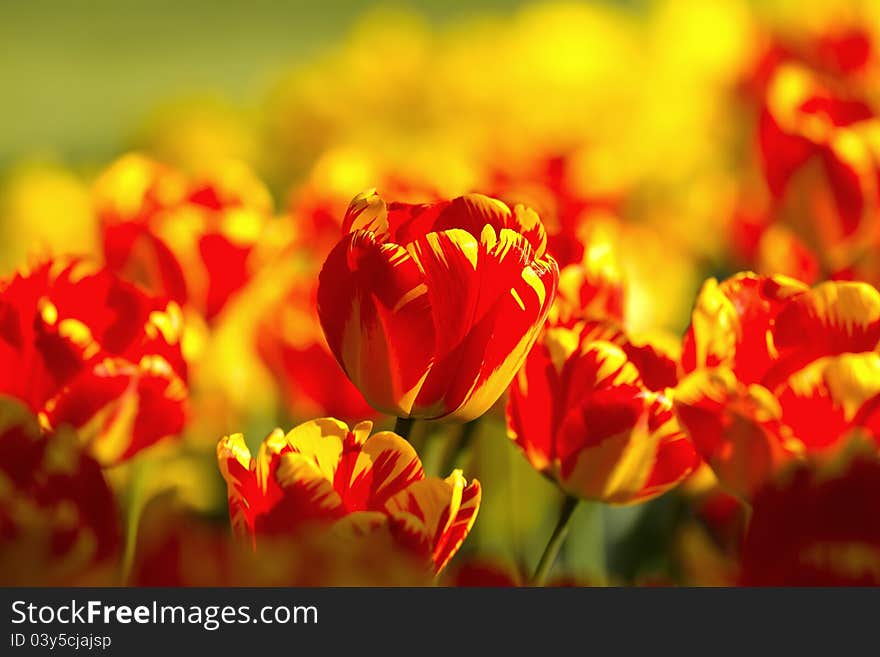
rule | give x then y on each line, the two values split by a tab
457	454
403	426
548	558
135	507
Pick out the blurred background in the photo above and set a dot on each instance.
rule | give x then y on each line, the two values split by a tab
83	78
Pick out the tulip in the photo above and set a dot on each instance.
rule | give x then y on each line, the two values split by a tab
322	474
290	342
431	309
816	526
582	414
81	347
191	239
58	517
804	122
778	372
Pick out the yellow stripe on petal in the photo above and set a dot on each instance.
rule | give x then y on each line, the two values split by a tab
389	463
361	431
617	468
715	325
418	291
460	523
302	472
488	237
529	223
846	305
233	447
465	243
367	211
321	442
533	280
48	311
269	449
850	380
457	483
237	468
437	514
561	343
614	367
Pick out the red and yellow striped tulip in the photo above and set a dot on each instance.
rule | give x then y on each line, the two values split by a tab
322	473
582	414
778	372
81	347
431	309
594	288
813	214
802	122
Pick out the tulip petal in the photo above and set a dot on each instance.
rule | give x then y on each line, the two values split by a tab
374	309
321	442
434	516
480	352
623	445
368	212
58	517
581	413
305	496
735	428
82	347
470	213
731	323
385	465
234	461
831	318
120	407
532	405
822	401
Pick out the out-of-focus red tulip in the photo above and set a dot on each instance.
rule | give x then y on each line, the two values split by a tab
816	125
58	519
81	347
318	205
431	309
816	526
322	473
594	288
176	548
841	53
778	371
191	239
554	187
802	123
582	414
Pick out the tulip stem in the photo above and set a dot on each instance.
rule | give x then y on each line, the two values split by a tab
548	558
459	452
134	510
403	426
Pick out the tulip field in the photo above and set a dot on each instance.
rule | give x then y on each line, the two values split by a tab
512	294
